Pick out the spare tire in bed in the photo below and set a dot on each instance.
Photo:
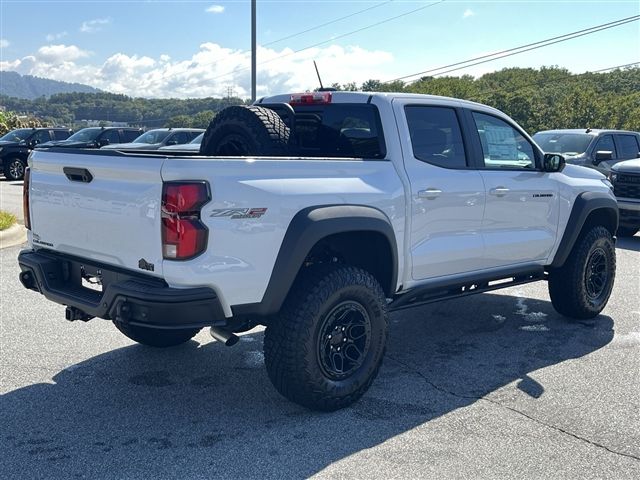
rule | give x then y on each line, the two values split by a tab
246	131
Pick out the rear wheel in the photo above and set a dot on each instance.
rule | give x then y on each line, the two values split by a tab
156	337
325	348
14	169
582	286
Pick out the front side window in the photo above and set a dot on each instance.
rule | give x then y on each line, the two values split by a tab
435	136
605	144
41	136
628	146
502	145
112	136
178	138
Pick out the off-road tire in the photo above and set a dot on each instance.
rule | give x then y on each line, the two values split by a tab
14	168
624	231
156	337
569	285
292	345
246	131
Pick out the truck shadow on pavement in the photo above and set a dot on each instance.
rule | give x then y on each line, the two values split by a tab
629	243
204	410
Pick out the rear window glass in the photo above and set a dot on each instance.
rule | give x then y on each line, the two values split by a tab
339	130
628	146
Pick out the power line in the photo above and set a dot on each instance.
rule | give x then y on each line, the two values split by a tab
310	29
327	23
532	46
366	27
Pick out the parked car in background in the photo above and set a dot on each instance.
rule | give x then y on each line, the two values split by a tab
192	146
16	146
599	149
625	177
159	137
96	137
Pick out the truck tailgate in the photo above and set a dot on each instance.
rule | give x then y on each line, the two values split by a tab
112	215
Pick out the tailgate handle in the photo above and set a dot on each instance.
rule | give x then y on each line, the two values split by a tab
78	174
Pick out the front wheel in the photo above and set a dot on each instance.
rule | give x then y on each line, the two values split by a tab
14	169
325	348
156	337
581	287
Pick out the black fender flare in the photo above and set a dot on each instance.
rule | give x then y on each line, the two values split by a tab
305	230
585	204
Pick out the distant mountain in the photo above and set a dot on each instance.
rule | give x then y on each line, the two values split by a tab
29	87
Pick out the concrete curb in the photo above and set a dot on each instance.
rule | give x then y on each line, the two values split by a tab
14	235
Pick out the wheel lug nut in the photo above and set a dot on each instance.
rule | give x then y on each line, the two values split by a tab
329	336
344	339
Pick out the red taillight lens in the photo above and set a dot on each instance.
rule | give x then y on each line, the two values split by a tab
184	236
315	98
25	198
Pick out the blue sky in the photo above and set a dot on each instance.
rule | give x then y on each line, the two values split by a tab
189	48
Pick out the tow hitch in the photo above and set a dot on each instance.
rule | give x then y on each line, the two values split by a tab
73	313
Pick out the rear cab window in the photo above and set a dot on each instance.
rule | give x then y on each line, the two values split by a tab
347	130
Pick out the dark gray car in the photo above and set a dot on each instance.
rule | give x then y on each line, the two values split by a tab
599	149
159	137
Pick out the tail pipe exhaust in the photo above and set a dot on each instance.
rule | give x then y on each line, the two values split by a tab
224	336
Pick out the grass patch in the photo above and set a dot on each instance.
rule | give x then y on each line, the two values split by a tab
6	220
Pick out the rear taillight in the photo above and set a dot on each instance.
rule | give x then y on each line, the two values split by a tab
315	98
184	236
25	198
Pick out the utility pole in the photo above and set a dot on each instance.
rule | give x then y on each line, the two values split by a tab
253	50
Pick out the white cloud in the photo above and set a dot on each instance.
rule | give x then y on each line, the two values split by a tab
207	72
4	43
56	36
468	13
60	53
215	9
92	26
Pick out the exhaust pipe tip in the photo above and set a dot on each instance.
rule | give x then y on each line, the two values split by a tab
224	336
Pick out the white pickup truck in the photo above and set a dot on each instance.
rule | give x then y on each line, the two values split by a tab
316	215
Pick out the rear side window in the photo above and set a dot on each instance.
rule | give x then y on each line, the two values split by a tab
111	135
61	134
339	130
129	136
628	146
435	136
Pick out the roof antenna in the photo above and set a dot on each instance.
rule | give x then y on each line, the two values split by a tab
318	73
322	89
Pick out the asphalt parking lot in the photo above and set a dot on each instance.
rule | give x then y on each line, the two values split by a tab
492	386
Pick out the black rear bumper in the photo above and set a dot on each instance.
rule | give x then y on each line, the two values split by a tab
125	297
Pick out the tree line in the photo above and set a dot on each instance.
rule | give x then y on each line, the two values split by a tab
538	99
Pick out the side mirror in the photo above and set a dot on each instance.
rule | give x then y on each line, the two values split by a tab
553	162
602	155
103	141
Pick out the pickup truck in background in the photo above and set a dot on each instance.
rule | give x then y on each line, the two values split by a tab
316	215
16	145
625	177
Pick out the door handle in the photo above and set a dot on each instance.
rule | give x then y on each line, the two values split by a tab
499	191
429	193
